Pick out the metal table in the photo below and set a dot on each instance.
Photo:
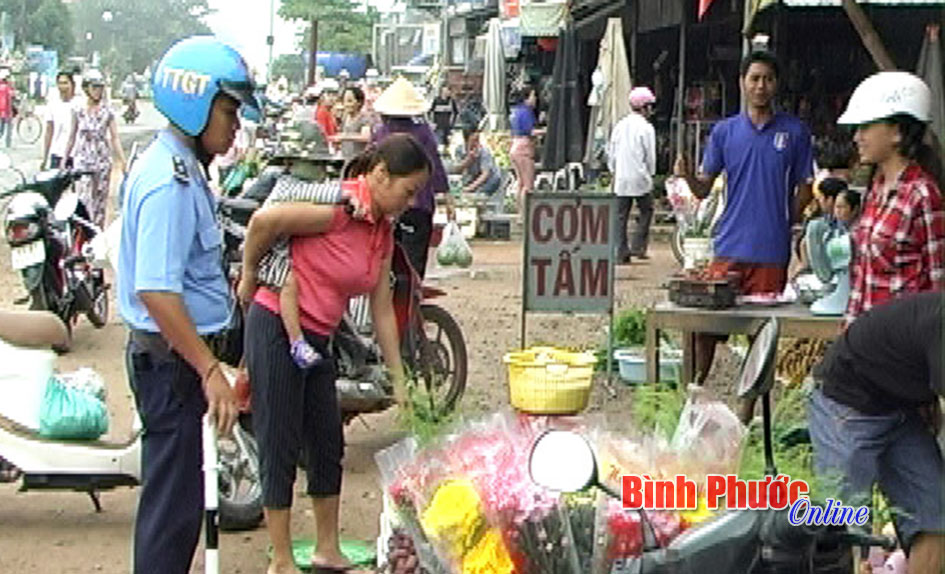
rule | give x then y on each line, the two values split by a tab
796	321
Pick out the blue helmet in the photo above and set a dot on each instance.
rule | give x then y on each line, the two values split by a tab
192	73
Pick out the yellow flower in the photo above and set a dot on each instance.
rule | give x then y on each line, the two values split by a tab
700	514
454	517
489	556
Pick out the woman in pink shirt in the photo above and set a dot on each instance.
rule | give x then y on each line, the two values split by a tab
336	255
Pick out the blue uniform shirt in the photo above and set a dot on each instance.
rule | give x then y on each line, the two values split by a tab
170	238
764	166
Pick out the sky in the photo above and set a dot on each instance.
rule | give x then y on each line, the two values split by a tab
244	24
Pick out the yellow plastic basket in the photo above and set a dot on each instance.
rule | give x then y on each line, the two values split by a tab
550	381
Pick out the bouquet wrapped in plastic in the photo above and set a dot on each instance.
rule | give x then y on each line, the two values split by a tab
471	507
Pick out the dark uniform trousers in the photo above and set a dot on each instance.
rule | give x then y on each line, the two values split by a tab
170	400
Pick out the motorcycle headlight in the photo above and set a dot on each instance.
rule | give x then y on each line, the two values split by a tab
22	231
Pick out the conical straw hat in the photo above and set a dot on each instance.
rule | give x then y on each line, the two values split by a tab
401	99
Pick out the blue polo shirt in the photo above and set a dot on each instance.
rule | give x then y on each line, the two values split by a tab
763	166
170	239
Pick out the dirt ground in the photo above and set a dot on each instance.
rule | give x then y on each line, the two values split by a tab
53	531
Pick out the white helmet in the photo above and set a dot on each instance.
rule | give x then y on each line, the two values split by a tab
329	85
93	78
888	94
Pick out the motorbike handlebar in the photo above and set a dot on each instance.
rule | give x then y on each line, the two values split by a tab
849	537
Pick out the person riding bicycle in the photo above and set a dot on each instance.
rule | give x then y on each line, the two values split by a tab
129	96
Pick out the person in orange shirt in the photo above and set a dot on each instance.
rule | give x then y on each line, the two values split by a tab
7	95
327	92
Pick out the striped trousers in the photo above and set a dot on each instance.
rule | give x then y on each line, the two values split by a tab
294	412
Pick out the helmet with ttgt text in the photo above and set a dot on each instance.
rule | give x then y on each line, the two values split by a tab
191	75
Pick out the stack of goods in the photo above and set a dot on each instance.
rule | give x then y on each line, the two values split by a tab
468	505
797	358
499	144
702	289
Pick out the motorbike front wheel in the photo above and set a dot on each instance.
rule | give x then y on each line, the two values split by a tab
98	313
440	360
240	502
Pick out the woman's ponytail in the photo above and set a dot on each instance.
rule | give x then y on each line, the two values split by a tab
360	164
920	145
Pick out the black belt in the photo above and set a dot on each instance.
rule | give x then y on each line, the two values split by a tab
156	345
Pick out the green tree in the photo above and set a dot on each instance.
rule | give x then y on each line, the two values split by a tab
43	22
132	34
292	66
342	25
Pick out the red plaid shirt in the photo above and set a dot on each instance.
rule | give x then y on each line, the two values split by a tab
898	242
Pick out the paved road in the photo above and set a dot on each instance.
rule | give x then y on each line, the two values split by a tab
27	157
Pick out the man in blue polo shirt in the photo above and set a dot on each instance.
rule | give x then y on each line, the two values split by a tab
768	161
174	295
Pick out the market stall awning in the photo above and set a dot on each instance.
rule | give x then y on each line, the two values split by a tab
564	142
837	3
493	85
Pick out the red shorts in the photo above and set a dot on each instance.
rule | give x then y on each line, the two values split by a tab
752	278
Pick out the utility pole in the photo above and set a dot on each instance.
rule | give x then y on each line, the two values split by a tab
271	39
868	35
313	60
681	83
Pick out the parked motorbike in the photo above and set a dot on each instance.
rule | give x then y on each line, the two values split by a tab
432	344
735	542
50	236
95	466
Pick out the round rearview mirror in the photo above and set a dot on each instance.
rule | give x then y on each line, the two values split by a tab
562	461
66	206
755	378
5	161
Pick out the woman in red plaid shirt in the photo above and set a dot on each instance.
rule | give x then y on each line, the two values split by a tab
899	240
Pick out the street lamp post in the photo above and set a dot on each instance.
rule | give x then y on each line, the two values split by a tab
271	39
107	18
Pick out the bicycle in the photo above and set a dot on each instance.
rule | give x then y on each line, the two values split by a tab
29	127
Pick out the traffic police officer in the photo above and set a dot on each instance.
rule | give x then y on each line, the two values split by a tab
174	295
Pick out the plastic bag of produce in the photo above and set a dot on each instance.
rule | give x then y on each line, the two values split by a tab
453	249
68	412
709	432
85	380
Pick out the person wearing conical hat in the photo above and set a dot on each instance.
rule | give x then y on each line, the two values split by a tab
402	110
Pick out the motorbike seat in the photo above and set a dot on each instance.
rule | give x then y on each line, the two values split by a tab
238	209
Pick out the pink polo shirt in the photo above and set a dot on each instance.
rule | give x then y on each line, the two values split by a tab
332	267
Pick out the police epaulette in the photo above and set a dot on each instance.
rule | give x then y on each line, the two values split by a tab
180	170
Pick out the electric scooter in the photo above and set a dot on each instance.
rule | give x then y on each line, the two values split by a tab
95	466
